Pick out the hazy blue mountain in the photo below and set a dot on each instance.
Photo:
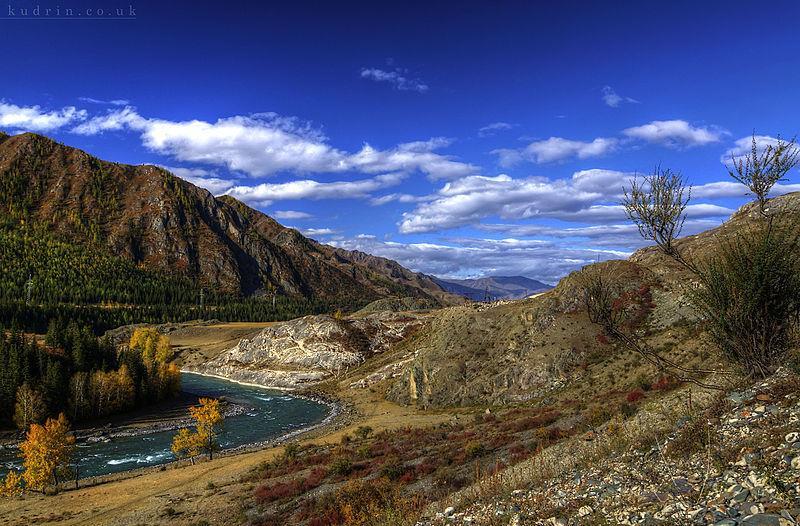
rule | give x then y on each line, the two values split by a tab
495	287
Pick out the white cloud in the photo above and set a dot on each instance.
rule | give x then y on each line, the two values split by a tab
674	133
115	102
397	77
307	189
471	257
613	99
744	146
263	144
290	214
557	149
588	196
202	178
399	198
491	129
316	232
618	235
34	118
115	120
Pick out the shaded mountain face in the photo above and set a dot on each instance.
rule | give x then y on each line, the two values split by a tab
163	223
495	287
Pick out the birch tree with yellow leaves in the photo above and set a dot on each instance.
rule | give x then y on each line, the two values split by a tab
46	453
207	417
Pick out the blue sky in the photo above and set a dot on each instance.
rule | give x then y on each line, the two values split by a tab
459	138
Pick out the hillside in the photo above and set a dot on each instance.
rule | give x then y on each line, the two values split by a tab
507	353
495	287
164	224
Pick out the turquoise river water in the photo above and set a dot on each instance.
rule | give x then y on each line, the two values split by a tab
268	414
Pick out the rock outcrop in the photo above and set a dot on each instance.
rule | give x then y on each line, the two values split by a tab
308	350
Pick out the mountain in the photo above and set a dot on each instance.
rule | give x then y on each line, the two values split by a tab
495	287
162	223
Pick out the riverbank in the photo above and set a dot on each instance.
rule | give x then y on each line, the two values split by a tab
208	492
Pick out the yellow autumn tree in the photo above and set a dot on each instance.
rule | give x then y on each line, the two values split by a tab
11	486
207	419
46	453
154	347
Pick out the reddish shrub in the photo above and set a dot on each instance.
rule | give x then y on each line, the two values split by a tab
634	396
663	383
279	491
602	338
314	478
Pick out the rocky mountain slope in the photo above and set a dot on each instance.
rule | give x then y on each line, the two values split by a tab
495	287
151	217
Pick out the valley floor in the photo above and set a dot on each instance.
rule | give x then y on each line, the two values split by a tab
208	492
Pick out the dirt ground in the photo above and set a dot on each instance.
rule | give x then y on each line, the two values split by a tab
210	492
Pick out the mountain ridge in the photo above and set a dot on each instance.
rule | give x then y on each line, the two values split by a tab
161	222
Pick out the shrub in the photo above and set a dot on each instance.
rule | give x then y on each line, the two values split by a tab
363	432
643	383
475	449
663	383
634	396
279	491
340	467
751	296
290	451
393	468
627	409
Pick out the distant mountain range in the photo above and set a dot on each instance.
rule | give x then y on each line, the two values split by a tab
493	287
161	223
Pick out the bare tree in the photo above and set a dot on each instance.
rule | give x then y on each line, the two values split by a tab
748	296
657	206
759	171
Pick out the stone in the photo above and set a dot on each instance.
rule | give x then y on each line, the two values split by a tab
761	519
449	511
585	511
792	437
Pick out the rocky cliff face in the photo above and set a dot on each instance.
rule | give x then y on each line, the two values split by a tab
309	350
153	218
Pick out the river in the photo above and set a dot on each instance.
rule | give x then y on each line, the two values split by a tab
268	414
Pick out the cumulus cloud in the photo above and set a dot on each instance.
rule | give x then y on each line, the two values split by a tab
556	149
623	236
290	214
264	144
491	129
397	77
613	99
471	257
34	118
674	133
588	196
266	193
